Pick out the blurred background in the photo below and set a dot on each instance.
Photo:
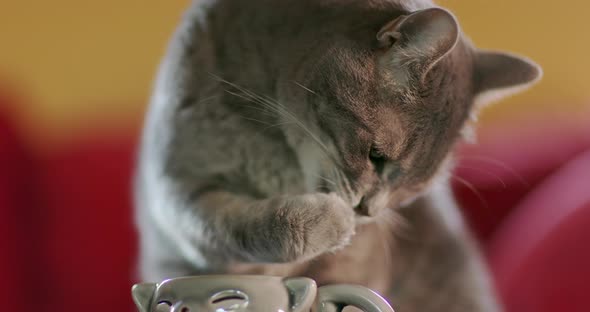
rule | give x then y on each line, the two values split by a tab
75	77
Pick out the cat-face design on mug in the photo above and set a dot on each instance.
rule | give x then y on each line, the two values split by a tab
226	293
251	293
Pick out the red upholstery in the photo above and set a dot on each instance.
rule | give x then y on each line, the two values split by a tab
511	161
19	200
66	235
68	242
89	240
13	167
541	253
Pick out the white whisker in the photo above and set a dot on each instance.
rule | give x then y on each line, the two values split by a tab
485	172
304	87
278	109
500	164
325	179
256	120
472	188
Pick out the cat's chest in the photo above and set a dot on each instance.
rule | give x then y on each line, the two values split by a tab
271	166
247	152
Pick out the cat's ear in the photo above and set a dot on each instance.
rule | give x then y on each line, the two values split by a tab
421	39
142	295
302	292
499	74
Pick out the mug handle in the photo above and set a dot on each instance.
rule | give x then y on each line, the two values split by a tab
336	297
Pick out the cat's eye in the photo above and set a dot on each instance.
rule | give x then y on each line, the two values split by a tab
164	306
378	159
229	300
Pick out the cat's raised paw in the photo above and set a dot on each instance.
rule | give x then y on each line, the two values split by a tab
320	223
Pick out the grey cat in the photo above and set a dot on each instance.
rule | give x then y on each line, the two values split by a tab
315	138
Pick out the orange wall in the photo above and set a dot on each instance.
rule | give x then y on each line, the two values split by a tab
93	61
553	33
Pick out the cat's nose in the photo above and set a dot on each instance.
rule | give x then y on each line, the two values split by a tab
363	208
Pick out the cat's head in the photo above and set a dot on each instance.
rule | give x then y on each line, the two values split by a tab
389	109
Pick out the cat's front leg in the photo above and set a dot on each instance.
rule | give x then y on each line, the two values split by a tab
280	229
438	265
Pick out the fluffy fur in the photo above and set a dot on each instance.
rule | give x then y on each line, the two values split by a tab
314	137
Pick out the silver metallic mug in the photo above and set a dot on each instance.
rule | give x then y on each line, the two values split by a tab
221	293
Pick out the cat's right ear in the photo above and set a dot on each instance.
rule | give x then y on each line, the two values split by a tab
142	295
414	43
500	74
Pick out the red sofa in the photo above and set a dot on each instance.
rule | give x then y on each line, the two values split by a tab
68	241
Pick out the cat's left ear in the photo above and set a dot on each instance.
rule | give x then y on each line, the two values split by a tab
416	42
142	295
499	74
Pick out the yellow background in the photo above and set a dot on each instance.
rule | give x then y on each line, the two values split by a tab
86	63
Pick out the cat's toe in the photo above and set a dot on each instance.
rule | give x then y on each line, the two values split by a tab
311	225
331	227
